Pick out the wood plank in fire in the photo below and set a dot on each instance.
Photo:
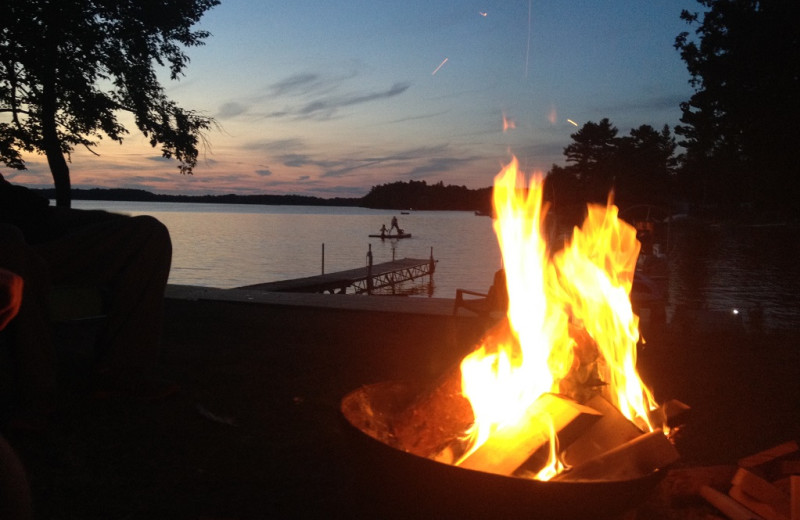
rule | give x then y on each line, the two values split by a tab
634	459
510	446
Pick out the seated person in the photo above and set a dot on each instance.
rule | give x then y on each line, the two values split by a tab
10	296
129	257
15	493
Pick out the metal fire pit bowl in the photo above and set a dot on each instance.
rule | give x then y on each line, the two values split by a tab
403	485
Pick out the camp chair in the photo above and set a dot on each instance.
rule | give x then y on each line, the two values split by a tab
491	304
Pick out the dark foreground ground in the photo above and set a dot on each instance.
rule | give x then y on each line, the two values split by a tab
256	431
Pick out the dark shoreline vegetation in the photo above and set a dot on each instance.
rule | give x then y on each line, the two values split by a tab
568	209
418	195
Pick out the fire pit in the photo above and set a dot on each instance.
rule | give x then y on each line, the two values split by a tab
409	486
547	416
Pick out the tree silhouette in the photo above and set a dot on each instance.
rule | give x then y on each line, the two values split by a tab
740	127
593	156
639	168
646	166
68	68
423	196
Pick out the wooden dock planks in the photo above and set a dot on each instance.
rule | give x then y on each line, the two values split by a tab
395	271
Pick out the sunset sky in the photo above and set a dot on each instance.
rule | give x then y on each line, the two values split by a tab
331	98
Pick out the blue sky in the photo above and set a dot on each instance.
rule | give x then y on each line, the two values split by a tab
331	98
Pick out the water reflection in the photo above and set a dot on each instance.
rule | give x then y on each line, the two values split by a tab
712	270
749	273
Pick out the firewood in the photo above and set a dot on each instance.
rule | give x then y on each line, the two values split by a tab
765	478
671	413
634	459
761	509
510	446
790	467
611	430
729	507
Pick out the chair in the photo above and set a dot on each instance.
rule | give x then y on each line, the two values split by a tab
490	305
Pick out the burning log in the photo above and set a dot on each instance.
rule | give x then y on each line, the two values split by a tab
510	446
612	430
634	459
672	413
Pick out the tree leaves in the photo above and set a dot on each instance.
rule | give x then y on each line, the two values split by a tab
638	167
69	67
740	128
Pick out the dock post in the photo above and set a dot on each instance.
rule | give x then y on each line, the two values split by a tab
323	258
433	263
369	270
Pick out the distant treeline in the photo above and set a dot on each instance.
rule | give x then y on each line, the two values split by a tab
145	196
397	195
424	196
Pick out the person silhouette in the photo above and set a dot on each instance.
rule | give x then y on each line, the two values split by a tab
395	226
127	258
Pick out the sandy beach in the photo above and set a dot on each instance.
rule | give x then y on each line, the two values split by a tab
256	431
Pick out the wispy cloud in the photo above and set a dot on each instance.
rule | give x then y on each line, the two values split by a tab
418	117
439	165
297	84
399	158
314	96
276	145
299	160
325	108
230	109
160	159
306	95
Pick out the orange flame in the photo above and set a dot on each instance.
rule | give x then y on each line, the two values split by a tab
586	285
554	465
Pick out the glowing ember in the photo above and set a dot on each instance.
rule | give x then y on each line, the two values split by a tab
570	320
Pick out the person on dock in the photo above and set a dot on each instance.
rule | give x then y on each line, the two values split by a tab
127	258
395	226
383	230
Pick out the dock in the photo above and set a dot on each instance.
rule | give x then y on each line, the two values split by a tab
362	280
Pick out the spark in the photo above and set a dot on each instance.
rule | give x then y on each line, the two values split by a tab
439	67
483	13
573	123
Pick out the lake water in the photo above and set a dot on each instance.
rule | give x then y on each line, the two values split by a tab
231	245
712	269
